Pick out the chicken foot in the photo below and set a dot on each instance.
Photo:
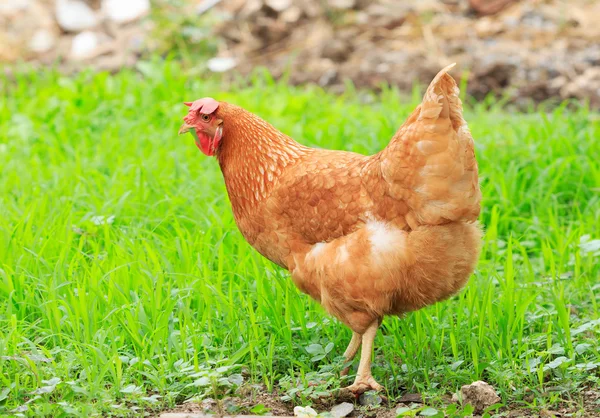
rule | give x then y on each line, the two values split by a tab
351	351
364	380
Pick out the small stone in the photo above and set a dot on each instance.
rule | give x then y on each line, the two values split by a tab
278	5
337	50
120	11
84	44
74	15
328	77
304	412
342	4
411	398
208	405
370	398
480	395
342	410
42	41
230	406
220	65
291	15
544	413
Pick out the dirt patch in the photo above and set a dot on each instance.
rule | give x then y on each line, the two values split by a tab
270	401
528	50
248	399
587	406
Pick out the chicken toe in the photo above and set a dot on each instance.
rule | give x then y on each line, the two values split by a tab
364	384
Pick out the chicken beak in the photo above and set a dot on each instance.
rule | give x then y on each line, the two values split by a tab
184	128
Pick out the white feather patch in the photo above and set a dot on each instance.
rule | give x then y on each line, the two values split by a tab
383	237
316	249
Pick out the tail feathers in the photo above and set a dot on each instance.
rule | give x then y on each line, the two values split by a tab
441	100
430	162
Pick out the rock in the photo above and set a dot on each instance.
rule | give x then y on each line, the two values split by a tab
486	27
342	410
370	399
291	15
42	41
337	50
544	413
208	404
328	77
480	395
278	5
304	412
84	44
411	398
74	15
120	11
312	9
230	405
342	4
221	64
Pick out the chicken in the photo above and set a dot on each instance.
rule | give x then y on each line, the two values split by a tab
365	236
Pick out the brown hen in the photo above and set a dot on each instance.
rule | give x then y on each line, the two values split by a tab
365	236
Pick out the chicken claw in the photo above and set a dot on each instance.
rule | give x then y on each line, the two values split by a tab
362	385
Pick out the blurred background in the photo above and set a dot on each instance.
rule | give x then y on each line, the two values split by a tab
523	51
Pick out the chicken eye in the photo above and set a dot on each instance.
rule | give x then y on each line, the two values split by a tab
205	117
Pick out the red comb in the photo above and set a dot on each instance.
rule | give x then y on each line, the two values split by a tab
188	104
207	105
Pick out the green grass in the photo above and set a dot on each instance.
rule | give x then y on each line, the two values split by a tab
148	306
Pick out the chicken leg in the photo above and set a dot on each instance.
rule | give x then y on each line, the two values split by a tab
364	380
351	351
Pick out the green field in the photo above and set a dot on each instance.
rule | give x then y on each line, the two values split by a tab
124	282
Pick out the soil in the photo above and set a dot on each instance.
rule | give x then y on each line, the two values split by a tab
526	51
273	402
248	398
589	407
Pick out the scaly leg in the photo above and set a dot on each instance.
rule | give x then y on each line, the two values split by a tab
351	351
364	380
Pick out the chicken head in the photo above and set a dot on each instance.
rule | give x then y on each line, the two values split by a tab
202	122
